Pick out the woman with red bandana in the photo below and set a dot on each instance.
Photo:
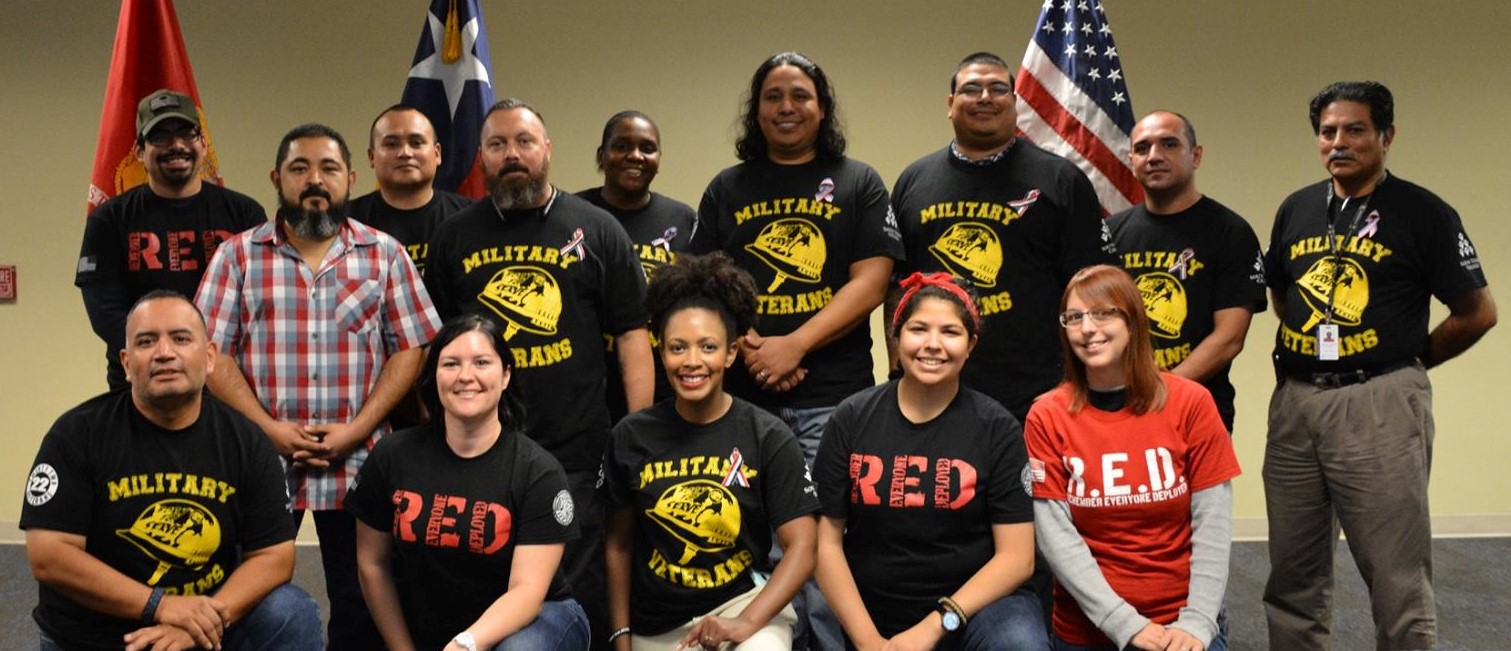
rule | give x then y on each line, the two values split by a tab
927	534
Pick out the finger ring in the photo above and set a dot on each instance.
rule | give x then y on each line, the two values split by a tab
761	376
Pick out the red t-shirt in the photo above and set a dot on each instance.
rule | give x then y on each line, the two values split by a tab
1128	480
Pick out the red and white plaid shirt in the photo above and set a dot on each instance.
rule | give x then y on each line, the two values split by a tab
312	344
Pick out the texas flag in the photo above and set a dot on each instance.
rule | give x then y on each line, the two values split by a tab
149	54
451	82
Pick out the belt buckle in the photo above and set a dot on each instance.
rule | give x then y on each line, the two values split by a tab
1327	380
1339	379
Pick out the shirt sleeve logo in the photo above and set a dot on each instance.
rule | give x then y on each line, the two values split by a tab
563	508
41	485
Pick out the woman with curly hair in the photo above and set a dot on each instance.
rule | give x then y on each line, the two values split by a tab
1131	475
696	484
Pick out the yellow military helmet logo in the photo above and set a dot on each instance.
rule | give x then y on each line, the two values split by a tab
703	514
1164	302
970	251
175	533
527	297
793	248
1350	291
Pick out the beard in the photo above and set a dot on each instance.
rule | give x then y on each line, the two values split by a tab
513	193
310	224
177	178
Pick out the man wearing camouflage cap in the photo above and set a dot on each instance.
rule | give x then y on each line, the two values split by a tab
161	234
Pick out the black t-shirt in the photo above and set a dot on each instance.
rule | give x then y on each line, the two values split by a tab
457	522
1189	265
706	499
1018	229
137	242
556	281
919	499
797	229
169	509
412	228
1405	245
659	232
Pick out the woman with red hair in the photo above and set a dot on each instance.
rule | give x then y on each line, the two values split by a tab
1131	471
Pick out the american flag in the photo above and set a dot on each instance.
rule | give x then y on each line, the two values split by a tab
1073	100
451	82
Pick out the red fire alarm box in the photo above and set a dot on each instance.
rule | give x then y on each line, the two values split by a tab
7	282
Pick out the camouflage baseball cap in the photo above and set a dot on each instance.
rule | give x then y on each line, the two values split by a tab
162	105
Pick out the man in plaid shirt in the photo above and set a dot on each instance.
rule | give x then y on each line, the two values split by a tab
321	323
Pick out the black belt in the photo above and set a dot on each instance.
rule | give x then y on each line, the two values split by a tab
1339	379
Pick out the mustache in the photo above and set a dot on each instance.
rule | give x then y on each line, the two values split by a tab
1340	155
513	167
314	191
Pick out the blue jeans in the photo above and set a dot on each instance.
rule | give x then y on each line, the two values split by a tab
1013	623
817	629
560	626
287	618
1219	641
808	425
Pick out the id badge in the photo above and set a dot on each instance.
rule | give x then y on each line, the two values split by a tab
1327	342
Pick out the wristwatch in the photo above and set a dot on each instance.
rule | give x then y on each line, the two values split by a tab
951	617
465	640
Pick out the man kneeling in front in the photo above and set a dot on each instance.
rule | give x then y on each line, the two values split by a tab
158	518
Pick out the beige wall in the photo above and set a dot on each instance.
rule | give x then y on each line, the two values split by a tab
1242	71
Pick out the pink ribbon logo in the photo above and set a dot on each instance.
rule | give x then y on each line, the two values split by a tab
734	476
575	246
825	191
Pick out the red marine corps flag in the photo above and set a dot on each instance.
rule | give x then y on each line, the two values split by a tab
451	82
149	54
1073	100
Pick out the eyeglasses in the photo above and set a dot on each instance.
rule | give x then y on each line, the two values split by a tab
1099	316
165	138
997	89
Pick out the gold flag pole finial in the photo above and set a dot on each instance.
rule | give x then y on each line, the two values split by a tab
451	44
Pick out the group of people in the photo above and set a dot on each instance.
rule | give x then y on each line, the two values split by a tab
608	420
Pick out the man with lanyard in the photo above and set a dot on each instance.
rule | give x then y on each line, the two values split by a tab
1351	265
1197	263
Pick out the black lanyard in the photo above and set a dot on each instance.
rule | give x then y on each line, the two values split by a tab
1332	239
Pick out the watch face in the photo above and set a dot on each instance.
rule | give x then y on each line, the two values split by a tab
951	621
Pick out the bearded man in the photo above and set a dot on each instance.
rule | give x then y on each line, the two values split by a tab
321	323
158	235
558	274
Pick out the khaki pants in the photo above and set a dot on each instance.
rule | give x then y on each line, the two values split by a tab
1355	458
776	635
